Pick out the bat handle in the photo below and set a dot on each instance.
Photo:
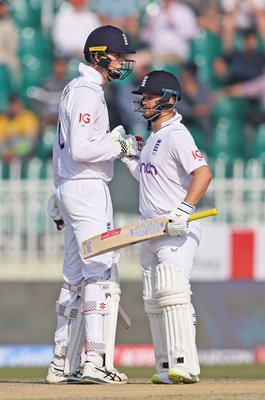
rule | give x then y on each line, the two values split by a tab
203	214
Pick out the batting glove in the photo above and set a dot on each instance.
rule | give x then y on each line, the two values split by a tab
118	133
178	220
54	213
131	146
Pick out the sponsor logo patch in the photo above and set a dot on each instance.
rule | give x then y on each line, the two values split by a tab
196	154
113	232
143	83
146	229
178	360
156	146
84	118
88	247
148	168
125	39
102	306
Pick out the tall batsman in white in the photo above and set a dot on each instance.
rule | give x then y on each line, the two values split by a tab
84	151
173	177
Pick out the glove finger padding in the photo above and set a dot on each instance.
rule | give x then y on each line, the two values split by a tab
54	213
117	133
52	207
178	220
131	146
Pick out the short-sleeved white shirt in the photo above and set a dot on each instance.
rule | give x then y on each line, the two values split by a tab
83	148
167	160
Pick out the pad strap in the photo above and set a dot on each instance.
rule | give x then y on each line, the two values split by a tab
98	347
68	312
73	288
60	350
92	307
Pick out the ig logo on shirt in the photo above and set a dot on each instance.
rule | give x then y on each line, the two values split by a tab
84	118
197	155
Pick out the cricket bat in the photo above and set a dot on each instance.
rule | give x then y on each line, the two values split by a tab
132	234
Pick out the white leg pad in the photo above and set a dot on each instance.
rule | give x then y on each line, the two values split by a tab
112	317
94	308
101	308
69	335
173	291
156	320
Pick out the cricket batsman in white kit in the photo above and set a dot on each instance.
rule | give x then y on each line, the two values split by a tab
83	155
173	177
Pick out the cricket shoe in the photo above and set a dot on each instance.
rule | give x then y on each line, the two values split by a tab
94	374
181	375
161	378
56	375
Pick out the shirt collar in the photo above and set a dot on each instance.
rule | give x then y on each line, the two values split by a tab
177	118
90	74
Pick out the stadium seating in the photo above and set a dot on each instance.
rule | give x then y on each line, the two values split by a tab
44	148
206	43
229	139
229	107
36	54
5	85
204	49
72	68
34	72
36	168
34	42
258	147
199	139
26	13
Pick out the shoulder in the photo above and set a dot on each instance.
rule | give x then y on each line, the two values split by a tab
180	136
179	130
80	86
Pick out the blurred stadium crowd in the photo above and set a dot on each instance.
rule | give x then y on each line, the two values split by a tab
215	47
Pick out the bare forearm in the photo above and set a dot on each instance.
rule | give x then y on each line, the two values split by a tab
200	182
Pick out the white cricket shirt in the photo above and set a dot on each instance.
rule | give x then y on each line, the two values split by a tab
167	160
82	148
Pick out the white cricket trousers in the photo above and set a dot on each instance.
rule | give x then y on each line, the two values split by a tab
174	250
86	207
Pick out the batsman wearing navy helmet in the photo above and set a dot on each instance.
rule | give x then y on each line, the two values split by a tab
173	177
83	155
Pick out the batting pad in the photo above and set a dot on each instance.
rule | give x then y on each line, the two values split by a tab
156	320
69	335
173	291
110	325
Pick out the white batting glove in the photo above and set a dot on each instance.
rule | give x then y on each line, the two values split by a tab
54	213
131	146
178	220
117	133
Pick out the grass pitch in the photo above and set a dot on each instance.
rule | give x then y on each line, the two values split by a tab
217	383
255	371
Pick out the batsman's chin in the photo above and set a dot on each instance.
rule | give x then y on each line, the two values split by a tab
147	114
115	74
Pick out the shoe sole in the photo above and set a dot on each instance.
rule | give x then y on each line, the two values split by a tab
177	378
157	381
66	382
90	381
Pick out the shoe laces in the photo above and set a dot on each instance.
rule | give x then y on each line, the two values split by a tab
110	374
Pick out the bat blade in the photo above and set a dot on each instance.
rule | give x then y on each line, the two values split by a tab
124	236
131	234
